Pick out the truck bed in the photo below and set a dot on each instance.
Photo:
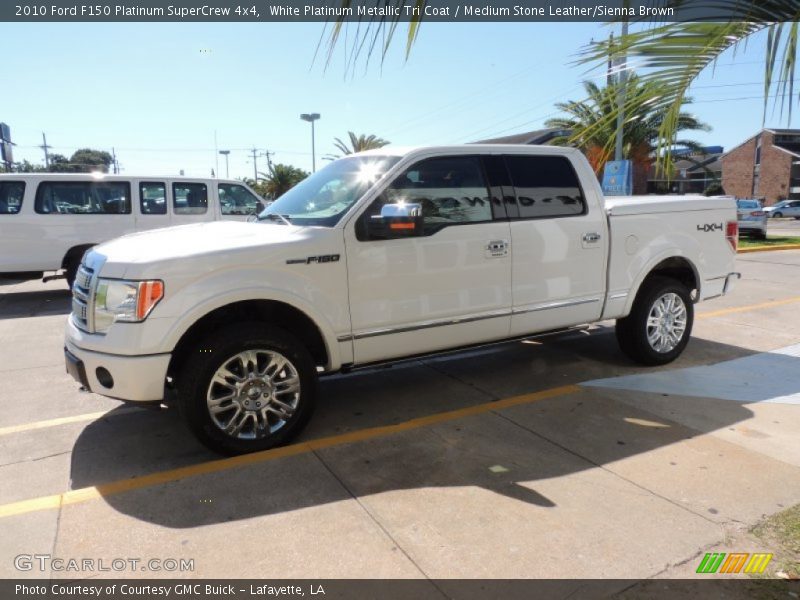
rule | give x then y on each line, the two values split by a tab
646	205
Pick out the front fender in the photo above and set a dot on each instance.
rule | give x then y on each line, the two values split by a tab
180	326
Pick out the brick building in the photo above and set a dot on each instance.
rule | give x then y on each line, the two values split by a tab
766	166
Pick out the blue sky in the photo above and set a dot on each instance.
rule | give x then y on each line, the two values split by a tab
158	92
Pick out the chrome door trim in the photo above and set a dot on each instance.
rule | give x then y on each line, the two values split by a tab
458	320
550	305
425	325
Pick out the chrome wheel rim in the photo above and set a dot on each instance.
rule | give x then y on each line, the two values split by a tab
666	323
253	394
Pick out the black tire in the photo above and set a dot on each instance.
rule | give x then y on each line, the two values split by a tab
777	215
71	270
760	235
632	330
218	350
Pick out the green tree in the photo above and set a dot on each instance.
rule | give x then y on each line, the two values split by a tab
259	187
28	167
85	160
358	143
591	125
280	179
676	54
59	164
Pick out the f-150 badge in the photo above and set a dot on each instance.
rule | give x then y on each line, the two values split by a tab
322	258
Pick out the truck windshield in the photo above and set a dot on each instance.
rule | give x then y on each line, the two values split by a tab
324	197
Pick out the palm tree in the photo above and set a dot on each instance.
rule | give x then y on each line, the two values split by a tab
673	54
676	54
281	178
592	123
358	143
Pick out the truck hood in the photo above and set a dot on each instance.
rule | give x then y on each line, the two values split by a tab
198	244
195	240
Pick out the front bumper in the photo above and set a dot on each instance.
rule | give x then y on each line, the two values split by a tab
131	378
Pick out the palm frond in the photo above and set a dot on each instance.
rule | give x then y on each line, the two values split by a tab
675	54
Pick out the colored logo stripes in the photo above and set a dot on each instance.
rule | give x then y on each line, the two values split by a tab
735	562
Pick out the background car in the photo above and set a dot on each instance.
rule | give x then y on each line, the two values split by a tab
752	218
784	208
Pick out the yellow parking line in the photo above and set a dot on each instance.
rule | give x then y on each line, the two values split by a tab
737	309
215	466
62	421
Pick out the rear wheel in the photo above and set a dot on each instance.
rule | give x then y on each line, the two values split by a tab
660	323
250	387
777	215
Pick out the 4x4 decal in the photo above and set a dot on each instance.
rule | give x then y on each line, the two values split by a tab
708	227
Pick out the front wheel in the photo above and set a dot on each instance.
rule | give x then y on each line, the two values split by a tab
777	215
660	323
249	387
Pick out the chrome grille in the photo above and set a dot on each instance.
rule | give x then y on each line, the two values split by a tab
82	297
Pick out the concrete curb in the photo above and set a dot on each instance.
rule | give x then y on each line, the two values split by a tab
767	248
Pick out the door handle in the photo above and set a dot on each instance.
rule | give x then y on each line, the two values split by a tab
591	238
497	248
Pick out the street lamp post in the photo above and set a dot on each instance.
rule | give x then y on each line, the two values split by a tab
311	117
225	153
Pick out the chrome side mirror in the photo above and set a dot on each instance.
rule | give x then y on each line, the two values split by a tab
401	209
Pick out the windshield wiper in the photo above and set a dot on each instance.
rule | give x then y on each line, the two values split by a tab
277	217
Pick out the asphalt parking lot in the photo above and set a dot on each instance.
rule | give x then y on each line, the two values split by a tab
555	458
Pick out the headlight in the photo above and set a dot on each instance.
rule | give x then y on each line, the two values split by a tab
129	301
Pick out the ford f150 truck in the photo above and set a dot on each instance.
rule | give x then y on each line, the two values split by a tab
381	256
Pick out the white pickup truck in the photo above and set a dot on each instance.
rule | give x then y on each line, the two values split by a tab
382	256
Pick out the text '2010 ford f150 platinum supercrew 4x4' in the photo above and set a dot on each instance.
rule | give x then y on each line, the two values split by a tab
380	256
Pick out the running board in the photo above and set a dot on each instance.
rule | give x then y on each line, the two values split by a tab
52	277
350	367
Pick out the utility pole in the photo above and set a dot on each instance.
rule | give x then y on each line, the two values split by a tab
45	147
622	78
226	153
114	161
255	164
256	155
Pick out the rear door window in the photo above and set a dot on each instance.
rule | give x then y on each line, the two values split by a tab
83	198
189	198
11	195
153	198
236	200
546	186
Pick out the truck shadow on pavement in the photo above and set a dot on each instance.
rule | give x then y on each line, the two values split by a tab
15	305
507	452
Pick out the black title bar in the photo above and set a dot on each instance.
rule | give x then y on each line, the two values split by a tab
393	11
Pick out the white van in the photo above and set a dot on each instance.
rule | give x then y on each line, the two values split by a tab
48	220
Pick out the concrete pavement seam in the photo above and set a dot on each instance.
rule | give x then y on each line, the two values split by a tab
375	520
588	460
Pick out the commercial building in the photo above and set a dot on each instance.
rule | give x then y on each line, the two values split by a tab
765	166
